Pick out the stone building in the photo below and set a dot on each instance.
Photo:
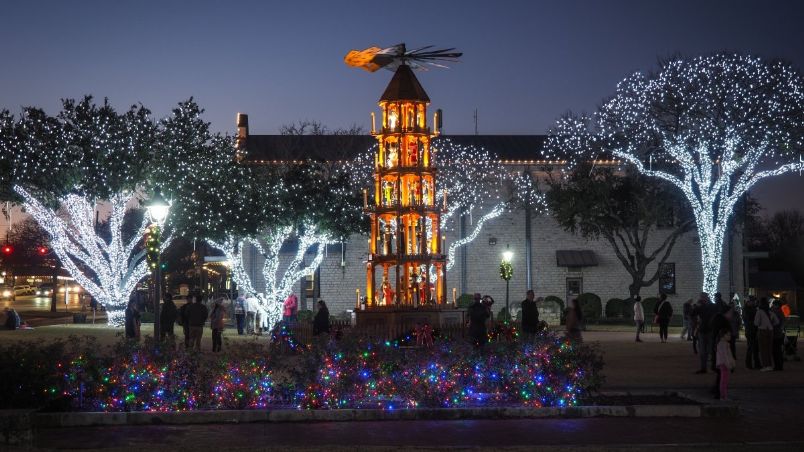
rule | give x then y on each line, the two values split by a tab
558	263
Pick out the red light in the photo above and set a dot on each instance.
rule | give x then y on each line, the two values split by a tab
43	250
8	249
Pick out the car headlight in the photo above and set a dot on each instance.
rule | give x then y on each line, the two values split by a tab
6	293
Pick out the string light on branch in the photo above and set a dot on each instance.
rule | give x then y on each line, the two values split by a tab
713	126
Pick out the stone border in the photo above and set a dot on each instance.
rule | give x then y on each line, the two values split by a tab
79	419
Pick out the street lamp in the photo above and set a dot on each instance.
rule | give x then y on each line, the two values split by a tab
506	271
158	209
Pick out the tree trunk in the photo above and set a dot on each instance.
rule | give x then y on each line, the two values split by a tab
54	294
711	242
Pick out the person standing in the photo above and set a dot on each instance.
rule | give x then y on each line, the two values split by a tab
530	316
167	318
724	361
686	321
705	312
574	321
764	321
663	312
478	314
289	308
321	320
733	317
752	346
639	316
197	316
217	325
184	319
132	320
240	313
778	336
251	313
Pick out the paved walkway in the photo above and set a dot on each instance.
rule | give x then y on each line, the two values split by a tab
771	403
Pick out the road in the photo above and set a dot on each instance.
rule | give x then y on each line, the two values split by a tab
32	303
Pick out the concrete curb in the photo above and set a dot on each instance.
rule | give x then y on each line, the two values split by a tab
60	420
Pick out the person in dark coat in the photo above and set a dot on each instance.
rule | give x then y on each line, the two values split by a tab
132	320
686	321
184	320
705	311
719	323
752	345
778	336
664	312
321	320
167	318
478	314
197	315
13	320
530	316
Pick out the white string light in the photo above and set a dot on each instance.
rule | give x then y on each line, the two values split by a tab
712	126
109	271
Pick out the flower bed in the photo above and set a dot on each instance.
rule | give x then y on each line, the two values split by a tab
349	373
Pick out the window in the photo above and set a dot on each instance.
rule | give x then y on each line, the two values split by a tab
311	287
574	288
667	278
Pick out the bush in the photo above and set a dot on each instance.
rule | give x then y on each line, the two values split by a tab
591	306
615	308
305	315
355	372
555	299
465	300
648	304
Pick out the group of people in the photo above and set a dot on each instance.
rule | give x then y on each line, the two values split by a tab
192	316
715	327
662	313
480	314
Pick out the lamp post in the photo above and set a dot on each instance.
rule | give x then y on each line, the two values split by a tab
158	210
506	271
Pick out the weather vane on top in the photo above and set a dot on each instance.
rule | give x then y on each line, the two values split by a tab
391	58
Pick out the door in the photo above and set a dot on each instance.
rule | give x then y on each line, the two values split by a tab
574	288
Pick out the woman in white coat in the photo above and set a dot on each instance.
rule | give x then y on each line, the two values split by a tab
639	316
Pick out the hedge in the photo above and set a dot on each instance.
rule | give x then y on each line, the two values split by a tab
615	308
591	306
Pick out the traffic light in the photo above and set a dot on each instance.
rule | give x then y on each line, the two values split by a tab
8	249
42	250
163	265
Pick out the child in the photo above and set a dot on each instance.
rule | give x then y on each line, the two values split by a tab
724	361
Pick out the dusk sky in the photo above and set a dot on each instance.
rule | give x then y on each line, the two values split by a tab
524	63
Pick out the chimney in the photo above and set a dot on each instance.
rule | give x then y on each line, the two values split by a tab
242	131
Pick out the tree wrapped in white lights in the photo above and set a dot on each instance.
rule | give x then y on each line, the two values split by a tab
114	266
64	168
713	126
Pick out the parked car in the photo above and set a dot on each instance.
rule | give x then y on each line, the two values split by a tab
44	290
7	293
23	289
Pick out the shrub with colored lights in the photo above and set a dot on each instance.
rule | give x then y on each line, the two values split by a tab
350	373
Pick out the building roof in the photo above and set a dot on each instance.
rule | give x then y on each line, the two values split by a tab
404	86
266	148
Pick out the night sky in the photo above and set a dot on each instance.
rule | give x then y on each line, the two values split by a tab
524	63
